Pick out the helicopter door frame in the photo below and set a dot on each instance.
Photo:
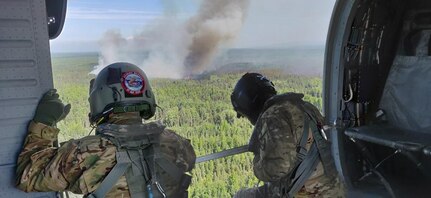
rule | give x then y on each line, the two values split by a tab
339	30
25	73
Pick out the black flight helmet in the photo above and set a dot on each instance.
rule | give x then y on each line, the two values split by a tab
250	94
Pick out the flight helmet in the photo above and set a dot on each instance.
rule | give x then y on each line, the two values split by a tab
250	94
120	88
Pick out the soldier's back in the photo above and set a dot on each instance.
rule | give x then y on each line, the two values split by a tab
281	126
96	156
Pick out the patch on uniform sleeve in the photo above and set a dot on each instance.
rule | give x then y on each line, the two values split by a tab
133	83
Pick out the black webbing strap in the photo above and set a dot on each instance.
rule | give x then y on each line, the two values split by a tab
323	146
177	174
170	168
304	171
319	149
137	145
138	175
301	151
123	162
307	160
131	108
154	185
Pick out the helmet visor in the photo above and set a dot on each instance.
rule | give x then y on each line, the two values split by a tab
237	105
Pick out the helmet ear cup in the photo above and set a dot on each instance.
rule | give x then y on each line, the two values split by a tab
91	85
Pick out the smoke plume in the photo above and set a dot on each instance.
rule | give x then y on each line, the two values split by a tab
217	22
110	48
172	48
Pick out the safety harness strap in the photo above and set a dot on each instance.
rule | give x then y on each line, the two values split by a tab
222	154
177	174
319	149
170	168
301	151
324	153
137	175
111	179
304	171
322	144
131	108
153	186
307	160
135	143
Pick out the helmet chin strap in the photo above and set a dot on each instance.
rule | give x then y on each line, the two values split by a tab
118	118
125	118
96	124
253	118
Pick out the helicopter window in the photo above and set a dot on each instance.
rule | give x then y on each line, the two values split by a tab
194	52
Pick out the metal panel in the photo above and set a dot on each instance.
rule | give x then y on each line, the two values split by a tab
7	186
341	20
25	73
10	140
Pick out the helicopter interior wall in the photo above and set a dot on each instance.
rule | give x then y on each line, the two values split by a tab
405	100
386	65
418	5
406	97
25	73
370	51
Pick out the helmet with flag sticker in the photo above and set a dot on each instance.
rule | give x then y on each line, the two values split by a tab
120	88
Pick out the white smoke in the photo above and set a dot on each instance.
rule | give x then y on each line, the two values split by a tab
174	49
110	47
217	23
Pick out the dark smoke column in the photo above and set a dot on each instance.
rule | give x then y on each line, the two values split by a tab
218	22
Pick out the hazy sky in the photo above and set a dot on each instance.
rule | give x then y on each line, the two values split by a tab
270	23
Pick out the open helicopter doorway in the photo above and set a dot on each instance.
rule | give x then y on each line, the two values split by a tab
376	97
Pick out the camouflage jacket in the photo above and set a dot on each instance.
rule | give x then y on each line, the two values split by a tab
278	132
81	165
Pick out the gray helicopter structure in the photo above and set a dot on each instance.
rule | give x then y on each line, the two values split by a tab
377	84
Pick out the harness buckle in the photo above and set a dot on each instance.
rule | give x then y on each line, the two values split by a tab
322	132
160	189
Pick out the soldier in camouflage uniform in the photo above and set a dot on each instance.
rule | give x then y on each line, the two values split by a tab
81	165
279	125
